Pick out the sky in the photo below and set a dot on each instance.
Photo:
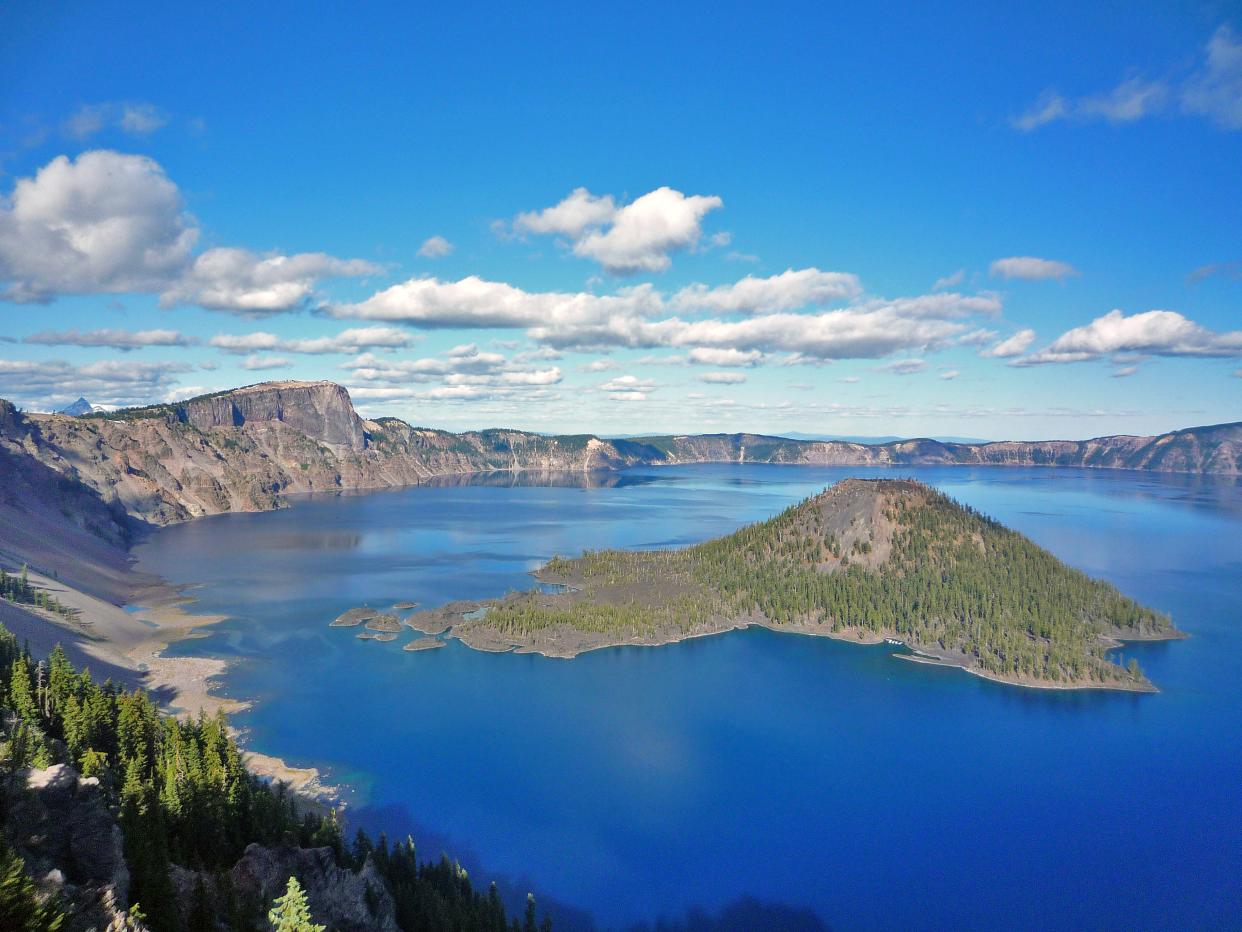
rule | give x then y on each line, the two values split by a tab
965	221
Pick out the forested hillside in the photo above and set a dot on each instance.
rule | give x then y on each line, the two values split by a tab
864	559
197	827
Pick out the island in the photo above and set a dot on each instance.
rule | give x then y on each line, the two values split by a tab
866	560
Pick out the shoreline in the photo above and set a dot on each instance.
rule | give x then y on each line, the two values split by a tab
125	640
845	635
193	682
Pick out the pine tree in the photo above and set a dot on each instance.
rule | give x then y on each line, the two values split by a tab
21	907
290	913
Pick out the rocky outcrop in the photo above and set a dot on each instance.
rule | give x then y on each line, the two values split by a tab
242	450
61	825
320	410
338	898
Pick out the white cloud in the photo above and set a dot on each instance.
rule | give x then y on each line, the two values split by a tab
949	374
113	223
950	281
977	337
464	373
135	118
645	232
227	279
850	379
141	119
638	237
723	378
633	317
537	377
1015	345
1155	333
574	216
51	383
436	247
787	291
1212	90
104	222
704	356
1215	90
124	340
628	383
353	340
1124	372
905	366
257	363
1031	268
599	365
1131	100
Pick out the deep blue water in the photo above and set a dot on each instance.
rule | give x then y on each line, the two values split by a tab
637	782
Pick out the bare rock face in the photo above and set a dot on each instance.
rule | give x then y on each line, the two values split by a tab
71	842
320	410
338	898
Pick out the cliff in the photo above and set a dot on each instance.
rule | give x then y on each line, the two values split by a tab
241	450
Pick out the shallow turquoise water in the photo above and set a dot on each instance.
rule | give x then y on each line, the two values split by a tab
635	783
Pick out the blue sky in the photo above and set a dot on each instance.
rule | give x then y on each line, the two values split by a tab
755	217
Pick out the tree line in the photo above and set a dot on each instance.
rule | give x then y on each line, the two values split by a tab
182	795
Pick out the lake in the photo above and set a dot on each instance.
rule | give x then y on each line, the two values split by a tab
809	774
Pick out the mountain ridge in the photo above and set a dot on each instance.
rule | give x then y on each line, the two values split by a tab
243	449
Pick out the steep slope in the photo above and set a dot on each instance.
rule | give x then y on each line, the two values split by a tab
865	559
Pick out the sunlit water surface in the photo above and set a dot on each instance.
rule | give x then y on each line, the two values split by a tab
635	783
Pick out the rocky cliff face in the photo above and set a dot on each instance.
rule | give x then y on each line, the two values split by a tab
241	450
320	410
60	824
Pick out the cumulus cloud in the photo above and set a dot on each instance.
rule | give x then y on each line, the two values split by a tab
258	363
949	374
228	279
1153	333
51	383
732	358
124	340
436	247
1031	269
628	388
104	222
572	218
1015	345
637	318
723	378
638	237
111	223
354	340
787	291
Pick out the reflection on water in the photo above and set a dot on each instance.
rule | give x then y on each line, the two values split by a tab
636	783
